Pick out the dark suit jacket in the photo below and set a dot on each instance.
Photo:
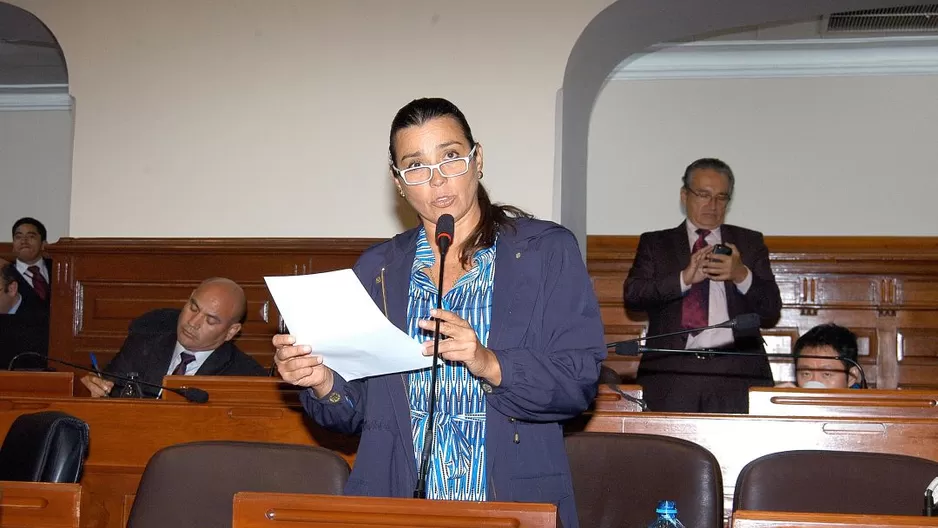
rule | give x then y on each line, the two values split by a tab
27	291
25	331
653	287
149	354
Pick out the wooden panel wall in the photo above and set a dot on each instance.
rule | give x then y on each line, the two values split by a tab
101	285
885	289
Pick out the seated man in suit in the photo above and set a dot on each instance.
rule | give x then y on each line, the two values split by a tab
679	279
24	324
200	344
839	372
29	241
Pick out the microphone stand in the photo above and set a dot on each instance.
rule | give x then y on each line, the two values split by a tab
420	491
863	384
191	394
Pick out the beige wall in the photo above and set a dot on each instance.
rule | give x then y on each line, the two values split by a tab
812	156
35	169
278	111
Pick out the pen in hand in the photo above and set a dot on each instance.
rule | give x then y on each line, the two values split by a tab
94	364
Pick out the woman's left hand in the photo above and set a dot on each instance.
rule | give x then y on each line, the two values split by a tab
462	345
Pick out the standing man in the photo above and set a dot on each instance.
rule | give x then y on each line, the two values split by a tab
681	283
34	277
24	326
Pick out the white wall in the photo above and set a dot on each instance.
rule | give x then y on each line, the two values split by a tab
812	156
35	169
249	118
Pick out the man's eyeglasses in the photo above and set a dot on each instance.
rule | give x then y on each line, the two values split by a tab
450	168
705	196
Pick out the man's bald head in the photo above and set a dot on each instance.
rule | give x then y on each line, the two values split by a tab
212	315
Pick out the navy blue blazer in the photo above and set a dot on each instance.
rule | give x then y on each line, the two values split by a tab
549	340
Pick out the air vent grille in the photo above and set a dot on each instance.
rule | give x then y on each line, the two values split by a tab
916	18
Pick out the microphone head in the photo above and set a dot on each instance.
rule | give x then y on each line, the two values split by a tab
629	348
747	322
194	394
445	225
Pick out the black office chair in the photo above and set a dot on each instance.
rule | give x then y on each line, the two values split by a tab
48	446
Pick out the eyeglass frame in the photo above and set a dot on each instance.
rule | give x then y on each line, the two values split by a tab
436	166
721	198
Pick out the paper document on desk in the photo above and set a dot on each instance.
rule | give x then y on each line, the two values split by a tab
333	314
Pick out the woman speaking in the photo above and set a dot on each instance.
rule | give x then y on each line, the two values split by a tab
521	337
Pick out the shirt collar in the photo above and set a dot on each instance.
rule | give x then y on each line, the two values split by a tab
692	229
16	306
424	257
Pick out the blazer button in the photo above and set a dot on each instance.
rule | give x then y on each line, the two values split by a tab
486	388
335	397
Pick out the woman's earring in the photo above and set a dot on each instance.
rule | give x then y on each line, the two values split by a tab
401	190
481	174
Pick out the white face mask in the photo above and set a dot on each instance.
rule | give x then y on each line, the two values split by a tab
813	385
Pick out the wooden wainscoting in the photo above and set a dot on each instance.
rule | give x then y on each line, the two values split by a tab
100	285
884	288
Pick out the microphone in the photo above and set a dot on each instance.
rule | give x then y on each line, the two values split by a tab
853	363
192	394
444	237
740	324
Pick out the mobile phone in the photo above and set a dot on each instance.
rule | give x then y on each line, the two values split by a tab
720	249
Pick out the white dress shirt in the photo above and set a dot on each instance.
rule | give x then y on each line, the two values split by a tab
15	307
23	268
719	313
192	367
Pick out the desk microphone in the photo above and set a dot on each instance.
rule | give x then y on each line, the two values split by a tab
192	394
444	237
741	323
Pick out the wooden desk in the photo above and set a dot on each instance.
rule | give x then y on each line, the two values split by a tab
735	440
236	389
36	384
39	505
760	519
126	433
846	402
609	400
267	510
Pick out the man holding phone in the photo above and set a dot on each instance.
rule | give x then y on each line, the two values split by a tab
700	273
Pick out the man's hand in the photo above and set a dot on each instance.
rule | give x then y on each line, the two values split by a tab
98	386
726	267
694	272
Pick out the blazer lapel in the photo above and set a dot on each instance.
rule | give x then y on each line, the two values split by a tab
678	237
396	283
158	359
216	361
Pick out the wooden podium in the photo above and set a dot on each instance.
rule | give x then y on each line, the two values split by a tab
269	510
39	505
766	519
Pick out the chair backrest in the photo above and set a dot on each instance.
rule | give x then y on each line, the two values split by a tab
619	479
48	446
157	321
193	485
835	482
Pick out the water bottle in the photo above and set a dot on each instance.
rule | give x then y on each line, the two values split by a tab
131	388
667	516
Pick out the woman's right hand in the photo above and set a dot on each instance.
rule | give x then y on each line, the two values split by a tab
296	365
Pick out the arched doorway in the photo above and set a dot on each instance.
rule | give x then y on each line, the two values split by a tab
36	124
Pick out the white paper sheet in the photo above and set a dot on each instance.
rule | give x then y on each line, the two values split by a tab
333	314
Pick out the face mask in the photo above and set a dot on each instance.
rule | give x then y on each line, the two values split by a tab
813	385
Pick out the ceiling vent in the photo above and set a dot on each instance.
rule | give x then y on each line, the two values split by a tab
906	19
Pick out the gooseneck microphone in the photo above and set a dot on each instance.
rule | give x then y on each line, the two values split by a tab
444	238
741	323
192	394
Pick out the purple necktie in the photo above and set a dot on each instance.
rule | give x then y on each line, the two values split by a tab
186	358
695	309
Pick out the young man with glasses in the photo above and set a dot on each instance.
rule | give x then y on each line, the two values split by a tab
681	279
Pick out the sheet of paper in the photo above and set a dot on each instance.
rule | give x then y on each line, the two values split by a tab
332	313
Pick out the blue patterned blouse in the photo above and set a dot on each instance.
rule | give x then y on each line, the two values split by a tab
457	463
